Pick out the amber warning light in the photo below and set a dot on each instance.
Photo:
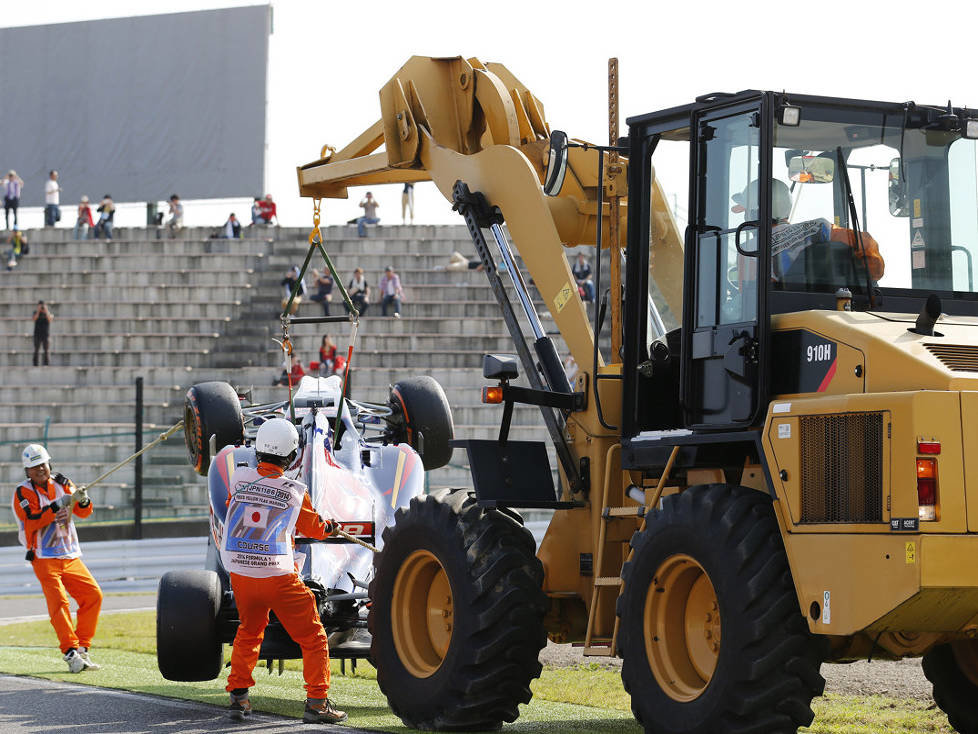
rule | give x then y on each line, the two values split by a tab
492	394
927	488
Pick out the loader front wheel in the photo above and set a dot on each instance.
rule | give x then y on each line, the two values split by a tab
711	634
456	617
953	670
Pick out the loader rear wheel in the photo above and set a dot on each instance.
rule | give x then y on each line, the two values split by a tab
953	670
456	620
210	409
711	634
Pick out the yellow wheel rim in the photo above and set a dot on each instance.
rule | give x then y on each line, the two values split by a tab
966	655
422	616
682	628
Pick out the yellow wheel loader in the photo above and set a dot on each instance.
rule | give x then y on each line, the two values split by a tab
767	458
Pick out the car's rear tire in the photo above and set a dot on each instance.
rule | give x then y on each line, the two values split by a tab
211	409
187	644
711	634
423	419
953	670
456	620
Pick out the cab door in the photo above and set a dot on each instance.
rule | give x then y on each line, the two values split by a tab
725	339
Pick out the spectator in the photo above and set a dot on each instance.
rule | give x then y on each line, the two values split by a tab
359	290
83	223
18	247
107	214
391	292
407	202
12	188
327	356
52	200
267	211
232	228
288	283
582	274
255	212
324	289
369	205
175	223
42	331
296	372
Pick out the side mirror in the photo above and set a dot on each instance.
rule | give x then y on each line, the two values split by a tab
897	191
556	163
811	169
500	367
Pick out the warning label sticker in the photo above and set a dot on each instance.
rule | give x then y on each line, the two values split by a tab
562	297
911	549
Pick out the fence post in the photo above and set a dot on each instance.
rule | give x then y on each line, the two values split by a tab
137	500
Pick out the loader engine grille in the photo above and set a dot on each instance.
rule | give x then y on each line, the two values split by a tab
842	468
959	358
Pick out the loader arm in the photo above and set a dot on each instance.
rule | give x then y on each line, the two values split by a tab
450	119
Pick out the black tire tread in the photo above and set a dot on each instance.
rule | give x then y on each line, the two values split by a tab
778	665
954	693
187	645
428	413
501	650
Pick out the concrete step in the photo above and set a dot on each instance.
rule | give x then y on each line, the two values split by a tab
188	341
95	412
155	293
95	326
108	358
69	281
206	308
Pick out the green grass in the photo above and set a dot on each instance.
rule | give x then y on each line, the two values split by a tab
586	698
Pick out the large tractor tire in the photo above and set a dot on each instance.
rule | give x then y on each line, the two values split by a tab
457	614
953	670
211	409
423	419
187	645
711	635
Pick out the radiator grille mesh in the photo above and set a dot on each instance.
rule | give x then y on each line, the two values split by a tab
842	468
959	358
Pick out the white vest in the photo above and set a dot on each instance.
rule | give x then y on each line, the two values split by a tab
54	540
260	523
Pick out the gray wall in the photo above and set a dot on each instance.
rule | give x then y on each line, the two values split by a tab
138	108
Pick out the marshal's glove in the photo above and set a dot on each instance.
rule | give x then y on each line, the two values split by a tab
62	502
63	480
330	526
81	497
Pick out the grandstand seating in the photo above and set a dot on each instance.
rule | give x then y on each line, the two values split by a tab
190	309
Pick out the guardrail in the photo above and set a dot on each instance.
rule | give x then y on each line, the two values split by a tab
132	565
118	565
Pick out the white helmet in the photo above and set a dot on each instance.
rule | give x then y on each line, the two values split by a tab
34	455
277	437
780	199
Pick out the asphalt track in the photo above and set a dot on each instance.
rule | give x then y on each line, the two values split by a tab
36	706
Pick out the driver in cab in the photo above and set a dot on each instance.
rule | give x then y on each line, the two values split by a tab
789	240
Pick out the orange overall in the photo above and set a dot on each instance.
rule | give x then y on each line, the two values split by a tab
294	606
57	564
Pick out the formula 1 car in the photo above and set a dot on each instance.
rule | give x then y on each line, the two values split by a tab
359	467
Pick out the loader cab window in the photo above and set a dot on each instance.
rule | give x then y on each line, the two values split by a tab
914	187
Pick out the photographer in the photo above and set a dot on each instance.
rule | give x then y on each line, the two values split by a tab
42	331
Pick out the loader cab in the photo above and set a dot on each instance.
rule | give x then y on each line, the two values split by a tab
782	201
